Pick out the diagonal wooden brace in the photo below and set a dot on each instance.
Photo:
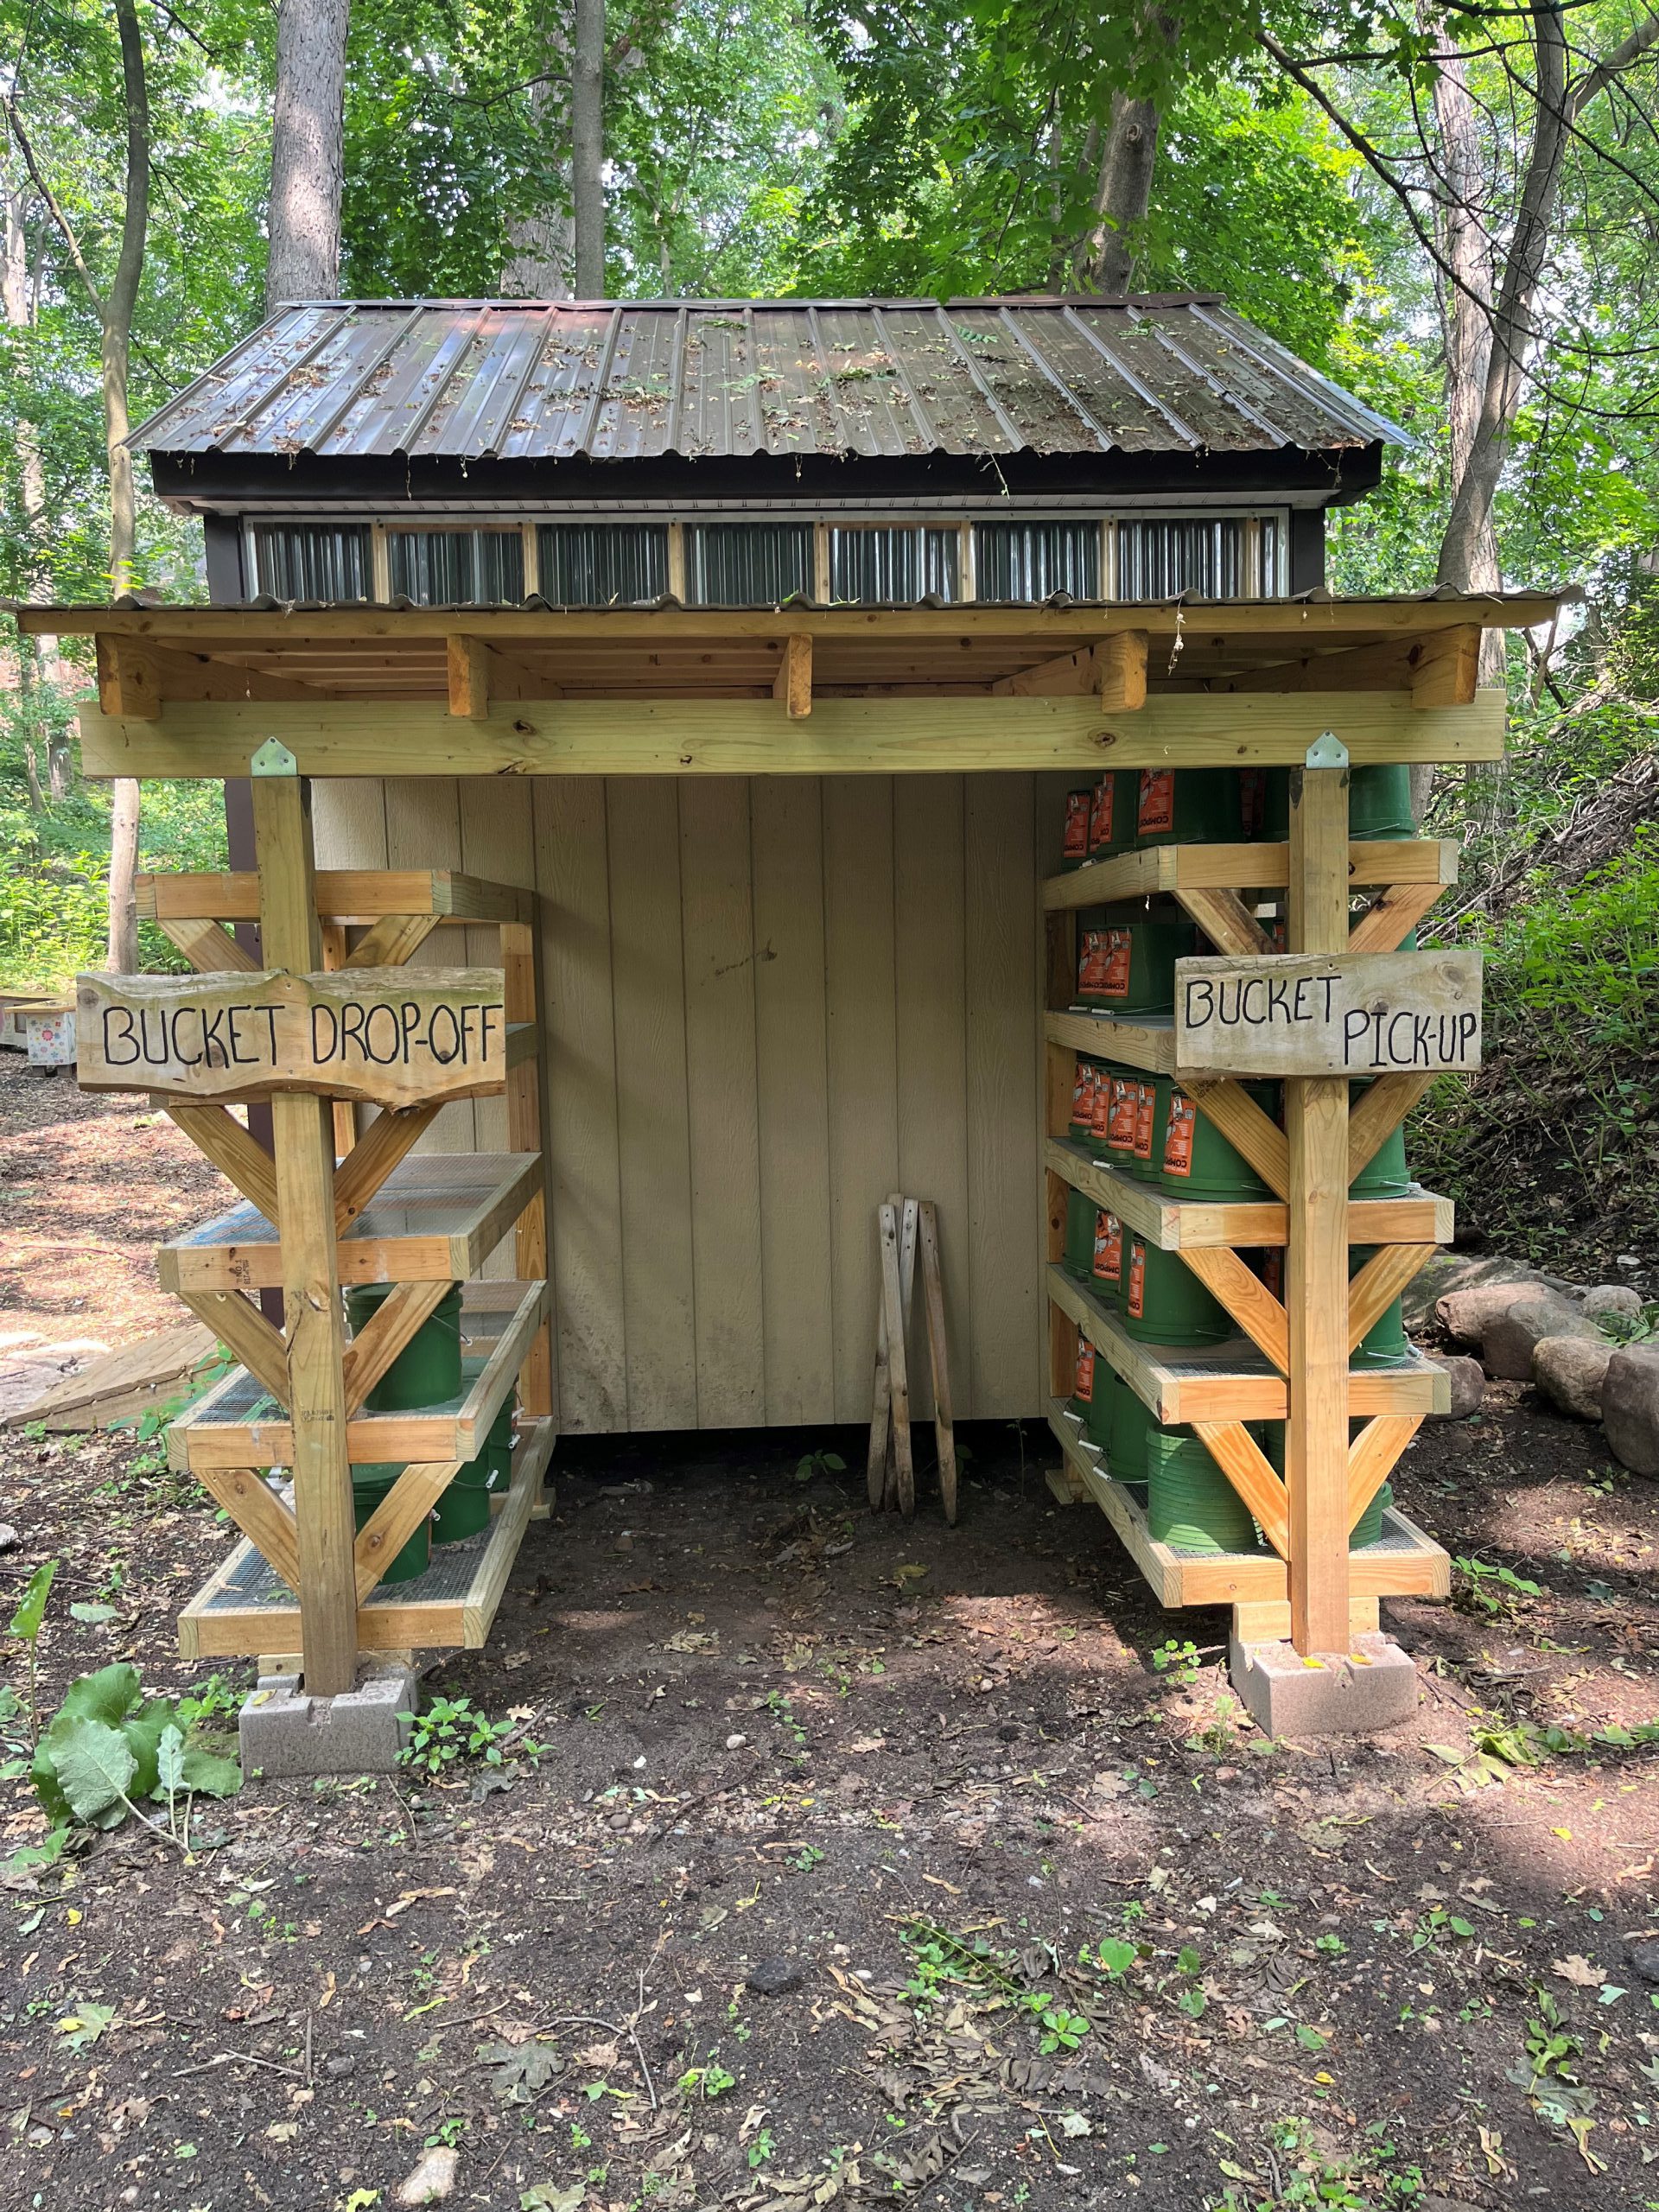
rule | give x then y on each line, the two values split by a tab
263	1518
1376	1114
396	1517
236	1321
1242	1459
241	1159
1392	915
208	949
392	940
1225	920
1379	1282
373	1350
1247	1128
1372	1456
388	1138
1246	1297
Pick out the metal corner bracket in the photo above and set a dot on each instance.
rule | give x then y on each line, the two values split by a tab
274	758
1327	751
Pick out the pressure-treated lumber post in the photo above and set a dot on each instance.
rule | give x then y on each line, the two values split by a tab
1316	1126
526	1133
303	1130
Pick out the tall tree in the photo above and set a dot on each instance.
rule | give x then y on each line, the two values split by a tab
306	157
541	242
587	148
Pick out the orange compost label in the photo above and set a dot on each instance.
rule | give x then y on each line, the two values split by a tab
1145	1106
1125	1114
1084	1380
1178	1138
1103	808
1108	1249
1074	838
1156	815
1082	1095
1137	1298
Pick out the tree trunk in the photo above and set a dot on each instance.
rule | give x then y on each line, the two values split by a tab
587	148
124	870
1464	288
542	260
1122	195
306	157
1468	530
117	317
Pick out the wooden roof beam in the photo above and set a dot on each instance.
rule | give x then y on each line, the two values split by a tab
1114	671
793	681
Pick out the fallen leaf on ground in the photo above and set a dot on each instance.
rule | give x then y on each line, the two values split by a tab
433	2179
1578	1971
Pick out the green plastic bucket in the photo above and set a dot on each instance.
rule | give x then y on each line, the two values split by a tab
1190	806
464	1509
1164	1303
497	1447
427	1372
1385	1175
1152	1113
1111	814
1368	1529
1191	1505
1126	1452
1080	1122
1379	801
1129	967
1106	1274
1092	1392
1122	1098
1078	1255
370	1483
1252	803
1074	828
1194	1160
1385	1342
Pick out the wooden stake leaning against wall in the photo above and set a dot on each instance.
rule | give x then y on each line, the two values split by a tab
315	1331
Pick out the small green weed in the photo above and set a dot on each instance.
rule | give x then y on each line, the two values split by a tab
452	1731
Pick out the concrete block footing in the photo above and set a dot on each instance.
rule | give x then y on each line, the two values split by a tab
1372	1686
285	1732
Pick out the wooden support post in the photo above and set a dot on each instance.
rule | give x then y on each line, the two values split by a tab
208	950
303	1130
945	1429
522	998
793	681
1316	1128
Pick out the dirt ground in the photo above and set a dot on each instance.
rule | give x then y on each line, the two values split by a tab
813	1830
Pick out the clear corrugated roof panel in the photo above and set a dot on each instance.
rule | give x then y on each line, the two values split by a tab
526	380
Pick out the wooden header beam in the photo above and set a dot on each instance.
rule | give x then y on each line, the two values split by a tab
346	895
741	737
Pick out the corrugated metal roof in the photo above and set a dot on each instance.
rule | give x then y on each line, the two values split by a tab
518	380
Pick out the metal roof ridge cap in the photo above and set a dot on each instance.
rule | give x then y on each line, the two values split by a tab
1346	402
967	359
928	429
332	422
1005	314
1143	322
1182	430
406	445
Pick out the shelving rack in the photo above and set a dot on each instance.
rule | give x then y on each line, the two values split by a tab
1290	1360
333	1205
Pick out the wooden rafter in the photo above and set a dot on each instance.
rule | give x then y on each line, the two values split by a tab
240	1325
1248	1130
1373	1455
1225	920
1377	1113
391	941
208	949
396	1517
388	1138
1391	917
263	1518
793	681
241	1159
1378	1283
1246	1297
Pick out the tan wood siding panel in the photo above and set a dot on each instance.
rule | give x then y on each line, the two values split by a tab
931	980
717	905
497	842
348	828
423	830
653	1135
1002	1092
786	831
590	1335
862	1062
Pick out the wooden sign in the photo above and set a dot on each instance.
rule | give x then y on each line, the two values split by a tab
389	1036
1300	1014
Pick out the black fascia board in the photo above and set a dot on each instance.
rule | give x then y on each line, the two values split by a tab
388	482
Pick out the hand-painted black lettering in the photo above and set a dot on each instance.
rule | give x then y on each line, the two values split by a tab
1200	1000
325	1034
381	1058
450	1047
123	1038
410	1028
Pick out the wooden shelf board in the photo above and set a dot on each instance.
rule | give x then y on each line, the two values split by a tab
1419	1219
1406	1563
1233	1381
1150	868
349	895
1147	1042
230	1426
436	1218
245	1608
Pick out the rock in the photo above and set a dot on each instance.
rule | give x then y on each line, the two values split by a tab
1511	1337
1609	1298
1444	1272
1630	1407
10	1538
1484	1289
1468	1383
1628	1260
339	2065
774	1977
433	2179
1645	1959
1569	1372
